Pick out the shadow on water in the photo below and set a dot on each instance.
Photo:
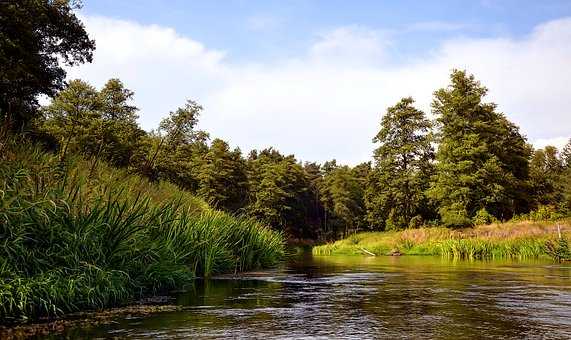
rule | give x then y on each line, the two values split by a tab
368	297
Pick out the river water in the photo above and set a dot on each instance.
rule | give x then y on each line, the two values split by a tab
368	298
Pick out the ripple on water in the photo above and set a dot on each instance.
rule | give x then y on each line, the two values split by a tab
369	299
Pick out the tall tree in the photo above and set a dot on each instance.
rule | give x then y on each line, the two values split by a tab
481	159
35	35
403	165
72	115
342	198
566	160
279	191
547	177
222	179
119	132
176	133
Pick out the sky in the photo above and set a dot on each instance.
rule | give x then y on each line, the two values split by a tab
313	78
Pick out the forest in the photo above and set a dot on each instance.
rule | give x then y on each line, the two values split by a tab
468	165
84	188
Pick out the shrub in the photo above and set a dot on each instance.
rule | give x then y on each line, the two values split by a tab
455	217
415	222
483	217
559	250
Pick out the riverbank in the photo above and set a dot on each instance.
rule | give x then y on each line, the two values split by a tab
504	240
80	236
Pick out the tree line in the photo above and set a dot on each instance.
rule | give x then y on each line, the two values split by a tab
468	165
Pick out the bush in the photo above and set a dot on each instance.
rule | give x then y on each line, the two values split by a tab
542	213
455	217
483	217
415	222
559	250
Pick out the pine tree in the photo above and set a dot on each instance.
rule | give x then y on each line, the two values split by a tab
481	158
279	192
222	178
396	184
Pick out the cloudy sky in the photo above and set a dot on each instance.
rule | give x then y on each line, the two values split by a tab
313	78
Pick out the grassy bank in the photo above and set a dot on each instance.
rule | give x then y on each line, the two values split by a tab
507	240
75	238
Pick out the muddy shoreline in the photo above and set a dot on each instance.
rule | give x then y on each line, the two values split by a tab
54	326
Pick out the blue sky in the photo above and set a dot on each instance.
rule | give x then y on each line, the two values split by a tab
257	30
300	74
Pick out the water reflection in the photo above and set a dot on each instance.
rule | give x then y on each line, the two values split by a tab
363	297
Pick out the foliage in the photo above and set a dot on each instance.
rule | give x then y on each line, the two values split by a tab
542	213
547	176
72	242
483	217
278	190
341	193
98	124
481	158
36	36
222	178
559	250
396	185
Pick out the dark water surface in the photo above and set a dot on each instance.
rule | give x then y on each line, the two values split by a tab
366	297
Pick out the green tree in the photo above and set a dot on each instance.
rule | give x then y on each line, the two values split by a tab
279	192
566	160
118	131
171	144
342	198
35	35
547	177
222	179
403	165
566	154
72	115
481	158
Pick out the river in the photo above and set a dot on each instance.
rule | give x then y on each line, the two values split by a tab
368	298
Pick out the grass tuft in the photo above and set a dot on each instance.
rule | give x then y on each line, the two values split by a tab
71	242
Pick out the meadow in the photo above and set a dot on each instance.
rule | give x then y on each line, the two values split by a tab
75	236
515	240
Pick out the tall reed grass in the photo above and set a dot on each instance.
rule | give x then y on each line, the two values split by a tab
70	241
518	240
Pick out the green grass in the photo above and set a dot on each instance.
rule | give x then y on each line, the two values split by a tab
517	240
70	241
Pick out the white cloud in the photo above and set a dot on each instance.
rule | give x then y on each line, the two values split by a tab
328	102
162	67
558	142
353	46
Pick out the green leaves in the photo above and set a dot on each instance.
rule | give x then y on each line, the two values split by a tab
481	158
35	36
101	124
396	185
83	242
